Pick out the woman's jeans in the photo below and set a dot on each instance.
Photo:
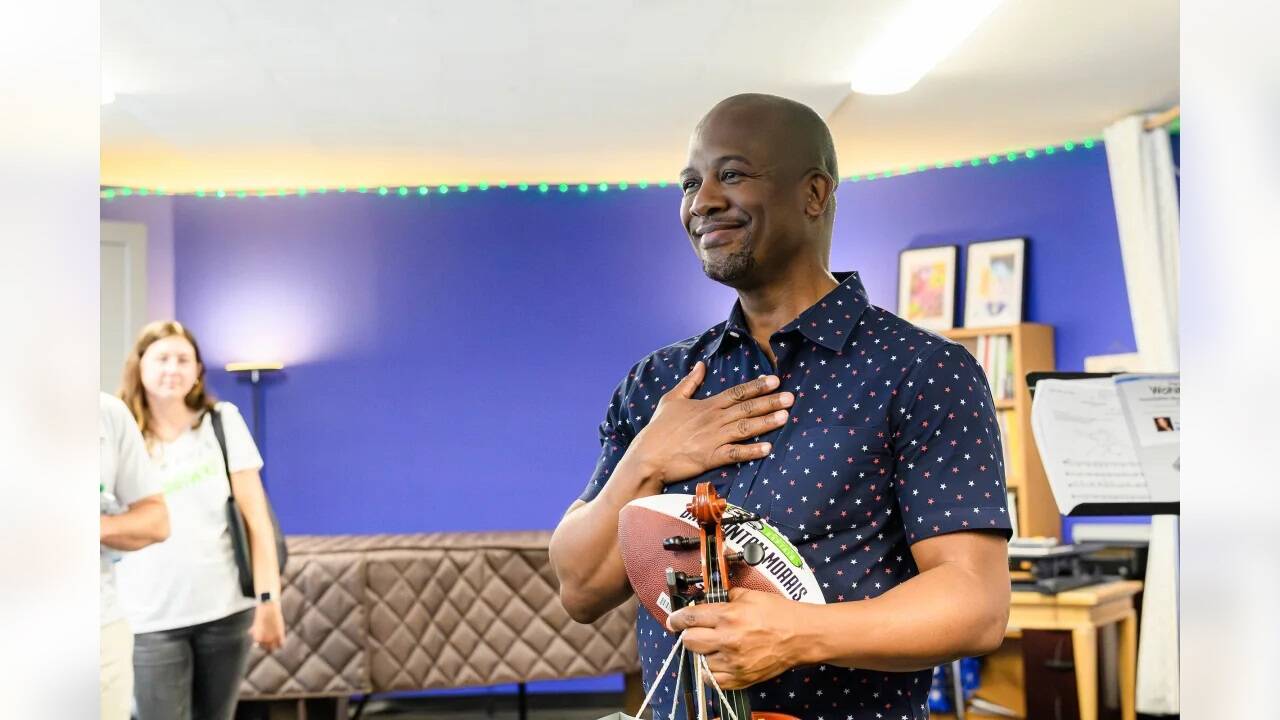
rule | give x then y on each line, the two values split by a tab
191	673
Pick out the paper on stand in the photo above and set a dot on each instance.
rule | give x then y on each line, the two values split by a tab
1108	440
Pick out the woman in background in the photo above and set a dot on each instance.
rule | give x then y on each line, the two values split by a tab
182	597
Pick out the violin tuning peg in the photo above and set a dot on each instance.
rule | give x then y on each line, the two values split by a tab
752	554
739	519
680	542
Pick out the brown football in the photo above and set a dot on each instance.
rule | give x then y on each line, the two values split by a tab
644	523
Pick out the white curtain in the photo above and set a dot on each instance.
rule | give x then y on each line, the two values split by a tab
1146	200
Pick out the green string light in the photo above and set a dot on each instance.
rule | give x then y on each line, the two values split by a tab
111	193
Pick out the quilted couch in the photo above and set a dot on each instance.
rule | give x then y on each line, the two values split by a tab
377	613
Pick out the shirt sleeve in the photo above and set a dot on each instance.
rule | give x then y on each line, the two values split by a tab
950	463
136	476
242	451
615	437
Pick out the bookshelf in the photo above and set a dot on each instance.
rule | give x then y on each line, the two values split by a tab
1008	353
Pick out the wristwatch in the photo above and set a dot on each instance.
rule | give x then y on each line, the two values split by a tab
266	597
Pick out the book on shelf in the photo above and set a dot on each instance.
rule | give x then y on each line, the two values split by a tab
995	354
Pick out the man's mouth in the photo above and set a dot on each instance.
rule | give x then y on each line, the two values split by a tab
713	236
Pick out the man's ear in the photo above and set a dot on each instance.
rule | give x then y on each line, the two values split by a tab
819	187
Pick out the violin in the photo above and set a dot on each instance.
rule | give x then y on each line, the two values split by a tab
708	510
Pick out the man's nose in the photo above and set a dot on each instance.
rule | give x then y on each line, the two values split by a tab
708	200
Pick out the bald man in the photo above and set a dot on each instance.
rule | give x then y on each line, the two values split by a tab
871	444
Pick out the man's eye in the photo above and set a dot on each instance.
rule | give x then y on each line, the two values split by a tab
688	185
730	175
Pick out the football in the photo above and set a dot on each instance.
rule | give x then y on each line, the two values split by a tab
646	522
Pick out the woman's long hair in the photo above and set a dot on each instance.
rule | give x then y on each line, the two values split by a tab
131	390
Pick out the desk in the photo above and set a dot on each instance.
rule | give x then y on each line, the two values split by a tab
1083	611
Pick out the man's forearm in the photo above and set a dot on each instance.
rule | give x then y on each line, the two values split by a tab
584	548
144	523
933	618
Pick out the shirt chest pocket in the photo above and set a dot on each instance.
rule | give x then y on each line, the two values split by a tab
833	477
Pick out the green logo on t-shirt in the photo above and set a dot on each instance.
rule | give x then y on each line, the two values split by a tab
191	478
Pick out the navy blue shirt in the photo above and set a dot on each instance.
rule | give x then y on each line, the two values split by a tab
892	439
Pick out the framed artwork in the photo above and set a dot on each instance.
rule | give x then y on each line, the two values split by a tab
993	282
927	286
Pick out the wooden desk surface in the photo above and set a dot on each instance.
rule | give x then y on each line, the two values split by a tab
1086	596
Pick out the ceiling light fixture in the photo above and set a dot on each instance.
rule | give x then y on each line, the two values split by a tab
919	36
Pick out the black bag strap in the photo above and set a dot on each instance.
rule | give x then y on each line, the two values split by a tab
216	418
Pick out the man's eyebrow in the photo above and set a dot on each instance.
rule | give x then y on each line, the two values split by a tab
719	161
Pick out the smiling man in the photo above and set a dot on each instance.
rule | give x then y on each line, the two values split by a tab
870	443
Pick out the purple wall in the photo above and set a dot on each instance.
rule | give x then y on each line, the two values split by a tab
1061	203
449	357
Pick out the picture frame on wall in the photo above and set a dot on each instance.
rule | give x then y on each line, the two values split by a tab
927	286
994	282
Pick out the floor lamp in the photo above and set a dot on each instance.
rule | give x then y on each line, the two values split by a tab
254	371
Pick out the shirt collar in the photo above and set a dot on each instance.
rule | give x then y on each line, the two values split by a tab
828	322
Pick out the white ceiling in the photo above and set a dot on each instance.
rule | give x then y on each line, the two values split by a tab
287	93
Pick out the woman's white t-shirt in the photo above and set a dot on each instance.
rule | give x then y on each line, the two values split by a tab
191	578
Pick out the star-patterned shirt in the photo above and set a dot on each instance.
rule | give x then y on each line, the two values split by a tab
892	439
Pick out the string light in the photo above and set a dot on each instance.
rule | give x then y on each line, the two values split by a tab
114	193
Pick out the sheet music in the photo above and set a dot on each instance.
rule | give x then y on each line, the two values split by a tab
1151	404
1093	450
